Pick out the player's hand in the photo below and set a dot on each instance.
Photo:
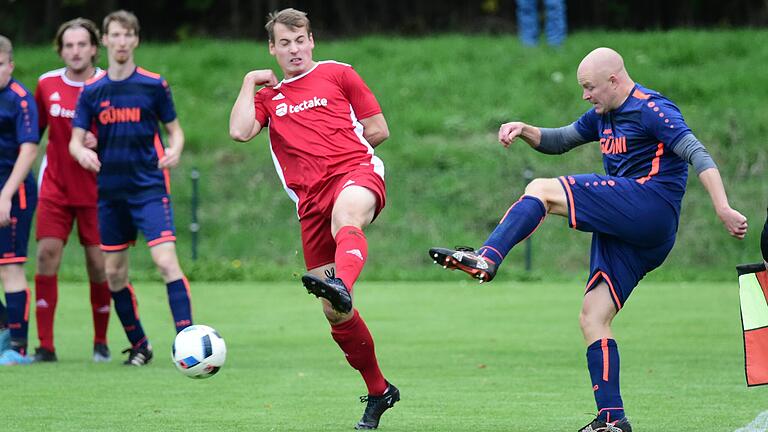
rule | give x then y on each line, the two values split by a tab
170	159
89	160
734	222
263	77
5	212
508	132
90	140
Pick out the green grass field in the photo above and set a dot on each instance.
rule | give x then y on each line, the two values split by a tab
495	357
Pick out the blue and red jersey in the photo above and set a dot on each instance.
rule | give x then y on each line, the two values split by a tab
637	141
127	114
18	125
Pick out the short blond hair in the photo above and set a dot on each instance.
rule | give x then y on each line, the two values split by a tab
290	18
124	18
6	47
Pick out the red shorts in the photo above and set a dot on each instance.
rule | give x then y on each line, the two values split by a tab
56	220
315	214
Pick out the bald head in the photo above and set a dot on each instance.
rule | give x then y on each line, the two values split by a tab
605	81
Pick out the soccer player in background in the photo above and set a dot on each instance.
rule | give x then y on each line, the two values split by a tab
632	211
18	197
323	123
67	190
126	104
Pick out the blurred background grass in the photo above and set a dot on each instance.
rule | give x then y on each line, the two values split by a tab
448	180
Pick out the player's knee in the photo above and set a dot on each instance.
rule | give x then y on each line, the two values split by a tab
117	277
48	258
345	218
168	266
542	188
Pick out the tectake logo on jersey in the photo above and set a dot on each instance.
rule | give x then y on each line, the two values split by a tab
120	115
283	108
57	111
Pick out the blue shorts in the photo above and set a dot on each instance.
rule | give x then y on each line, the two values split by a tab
633	228
120	220
15	237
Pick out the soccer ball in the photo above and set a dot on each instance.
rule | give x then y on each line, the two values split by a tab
199	351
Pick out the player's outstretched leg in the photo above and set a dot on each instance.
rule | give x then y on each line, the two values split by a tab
519	222
375	407
355	340
330	288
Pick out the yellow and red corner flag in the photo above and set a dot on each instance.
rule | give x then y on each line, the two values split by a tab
753	296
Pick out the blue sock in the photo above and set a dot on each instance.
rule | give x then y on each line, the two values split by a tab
603	363
3	316
18	319
127	310
520	221
180	302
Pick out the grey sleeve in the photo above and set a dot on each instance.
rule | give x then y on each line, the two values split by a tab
692	151
559	140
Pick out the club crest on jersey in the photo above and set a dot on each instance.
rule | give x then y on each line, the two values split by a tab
120	115
283	108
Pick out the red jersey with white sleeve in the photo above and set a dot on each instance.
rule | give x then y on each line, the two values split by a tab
62	179
314	131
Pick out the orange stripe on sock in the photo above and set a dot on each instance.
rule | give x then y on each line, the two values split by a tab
606	361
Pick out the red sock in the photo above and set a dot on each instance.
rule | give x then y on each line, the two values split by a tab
351	253
46	297
100	303
355	340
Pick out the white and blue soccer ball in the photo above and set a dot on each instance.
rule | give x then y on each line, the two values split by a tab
199	351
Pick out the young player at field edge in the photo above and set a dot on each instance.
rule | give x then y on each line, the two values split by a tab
126	104
19	137
323	123
67	191
632	211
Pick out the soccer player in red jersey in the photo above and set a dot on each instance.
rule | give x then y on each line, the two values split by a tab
19	136
127	105
67	190
323	123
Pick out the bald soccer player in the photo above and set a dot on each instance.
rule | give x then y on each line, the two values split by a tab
632	211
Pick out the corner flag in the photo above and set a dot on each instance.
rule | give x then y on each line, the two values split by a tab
753	297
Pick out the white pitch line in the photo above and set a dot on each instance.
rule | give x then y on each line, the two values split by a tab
760	424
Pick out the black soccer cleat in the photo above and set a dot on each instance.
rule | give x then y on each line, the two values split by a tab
376	407
331	289
101	353
44	355
465	259
138	356
621	425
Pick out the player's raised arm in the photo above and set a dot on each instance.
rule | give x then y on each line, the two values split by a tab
690	149
734	222
175	145
375	129
544	140
86	157
242	120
